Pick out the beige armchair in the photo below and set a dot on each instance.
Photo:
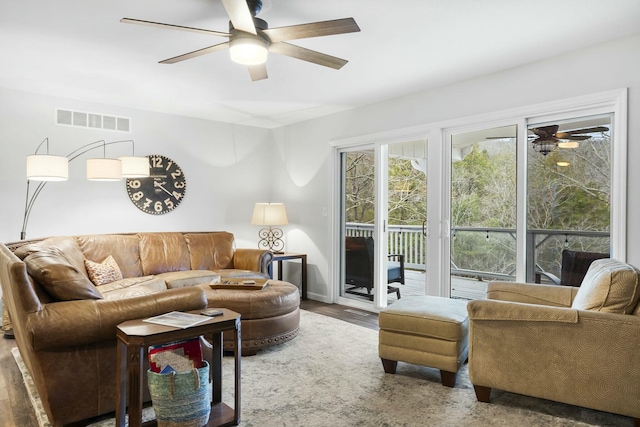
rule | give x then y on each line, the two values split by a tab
579	346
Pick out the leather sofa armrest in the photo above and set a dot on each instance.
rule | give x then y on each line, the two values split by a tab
558	296
75	323
253	259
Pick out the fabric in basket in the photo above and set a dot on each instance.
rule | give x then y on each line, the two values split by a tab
181	399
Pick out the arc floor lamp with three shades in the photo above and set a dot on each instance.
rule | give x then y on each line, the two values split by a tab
43	168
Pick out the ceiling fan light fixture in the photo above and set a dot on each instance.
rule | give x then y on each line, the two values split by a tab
544	147
248	50
568	144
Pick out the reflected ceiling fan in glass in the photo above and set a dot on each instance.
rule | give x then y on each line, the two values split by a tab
547	138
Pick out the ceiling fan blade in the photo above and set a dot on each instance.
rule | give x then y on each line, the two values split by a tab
298	52
258	72
562	135
174	27
314	29
196	53
545	130
239	15
585	130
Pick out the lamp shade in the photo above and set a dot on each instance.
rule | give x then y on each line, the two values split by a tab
269	214
134	167
104	169
43	167
248	50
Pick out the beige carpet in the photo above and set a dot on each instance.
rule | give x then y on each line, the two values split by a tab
330	375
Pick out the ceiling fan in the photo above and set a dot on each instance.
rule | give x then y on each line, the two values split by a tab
250	38
548	138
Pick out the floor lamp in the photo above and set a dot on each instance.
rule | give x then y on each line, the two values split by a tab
45	168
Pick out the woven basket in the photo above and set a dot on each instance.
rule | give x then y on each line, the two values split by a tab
181	399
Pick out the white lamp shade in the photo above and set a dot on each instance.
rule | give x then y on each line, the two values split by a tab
135	167
248	51
104	169
43	167
269	214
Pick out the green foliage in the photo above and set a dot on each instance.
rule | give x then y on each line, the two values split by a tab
483	187
359	187
407	193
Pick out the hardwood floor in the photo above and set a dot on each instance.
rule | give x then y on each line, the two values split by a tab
16	410
15	407
348	314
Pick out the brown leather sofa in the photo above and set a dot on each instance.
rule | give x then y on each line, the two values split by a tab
65	325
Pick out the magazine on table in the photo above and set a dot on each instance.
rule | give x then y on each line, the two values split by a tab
177	319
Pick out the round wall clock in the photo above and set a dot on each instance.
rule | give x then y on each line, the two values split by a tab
162	191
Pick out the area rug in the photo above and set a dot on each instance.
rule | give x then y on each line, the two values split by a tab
330	375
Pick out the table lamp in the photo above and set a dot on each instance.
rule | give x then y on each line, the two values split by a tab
268	215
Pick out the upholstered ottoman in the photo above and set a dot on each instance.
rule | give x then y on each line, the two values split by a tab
425	330
269	316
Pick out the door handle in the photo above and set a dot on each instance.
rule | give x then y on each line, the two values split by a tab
424	228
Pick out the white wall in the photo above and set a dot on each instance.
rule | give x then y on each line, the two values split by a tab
225	167
303	172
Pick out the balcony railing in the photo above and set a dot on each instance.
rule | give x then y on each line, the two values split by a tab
490	253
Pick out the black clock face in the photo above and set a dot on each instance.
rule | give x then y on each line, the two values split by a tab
162	191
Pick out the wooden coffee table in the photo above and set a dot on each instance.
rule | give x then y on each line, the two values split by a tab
135	336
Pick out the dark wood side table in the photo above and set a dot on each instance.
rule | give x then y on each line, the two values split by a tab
133	339
286	256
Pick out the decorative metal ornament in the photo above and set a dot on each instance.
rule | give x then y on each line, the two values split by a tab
271	239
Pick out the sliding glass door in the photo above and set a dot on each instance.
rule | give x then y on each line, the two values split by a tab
383	218
358	220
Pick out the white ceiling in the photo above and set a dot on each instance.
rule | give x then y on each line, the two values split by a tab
79	49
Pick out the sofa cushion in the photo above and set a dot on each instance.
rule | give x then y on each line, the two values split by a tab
609	286
66	246
58	277
101	273
124	248
163	252
130	292
210	251
152	282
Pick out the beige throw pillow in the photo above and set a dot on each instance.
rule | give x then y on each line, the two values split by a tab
610	286
105	272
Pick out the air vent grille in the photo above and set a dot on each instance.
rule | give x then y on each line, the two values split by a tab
84	119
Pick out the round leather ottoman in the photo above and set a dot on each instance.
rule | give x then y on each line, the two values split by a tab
269	316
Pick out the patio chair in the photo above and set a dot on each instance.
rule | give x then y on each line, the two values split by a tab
359	267
574	267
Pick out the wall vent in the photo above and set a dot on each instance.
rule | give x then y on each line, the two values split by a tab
84	119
